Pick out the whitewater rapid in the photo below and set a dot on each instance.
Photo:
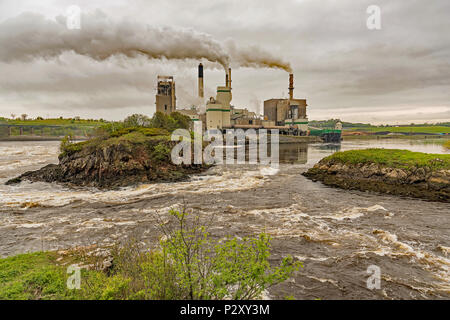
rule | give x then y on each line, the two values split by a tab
336	233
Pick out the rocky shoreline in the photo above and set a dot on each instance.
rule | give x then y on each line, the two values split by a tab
425	182
110	165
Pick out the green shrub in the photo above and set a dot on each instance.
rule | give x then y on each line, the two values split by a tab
160	120
189	264
116	288
66	142
149	132
181	121
174	121
67	147
236	269
160	125
137	120
161	152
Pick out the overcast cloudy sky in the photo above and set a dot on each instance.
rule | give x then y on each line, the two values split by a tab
398	74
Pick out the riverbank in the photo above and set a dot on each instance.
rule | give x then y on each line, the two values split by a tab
398	172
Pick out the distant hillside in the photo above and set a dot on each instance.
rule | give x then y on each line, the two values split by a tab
405	129
443	127
48	127
53	122
332	122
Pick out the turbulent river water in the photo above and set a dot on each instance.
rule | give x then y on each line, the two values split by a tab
337	234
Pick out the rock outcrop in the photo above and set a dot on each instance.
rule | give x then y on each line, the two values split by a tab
114	164
419	182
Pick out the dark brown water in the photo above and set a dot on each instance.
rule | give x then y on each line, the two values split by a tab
336	233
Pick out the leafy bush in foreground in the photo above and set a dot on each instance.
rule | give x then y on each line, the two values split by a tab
188	265
191	266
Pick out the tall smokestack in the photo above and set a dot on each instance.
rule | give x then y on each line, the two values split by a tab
229	78
291	86
226	79
200	81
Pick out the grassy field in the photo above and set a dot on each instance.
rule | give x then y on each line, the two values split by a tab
426	138
53	122
394	158
32	276
425	129
44	276
49	127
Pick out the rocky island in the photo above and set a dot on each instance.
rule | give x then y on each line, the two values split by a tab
119	158
391	171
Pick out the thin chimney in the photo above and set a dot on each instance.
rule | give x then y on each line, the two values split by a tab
291	86
200	81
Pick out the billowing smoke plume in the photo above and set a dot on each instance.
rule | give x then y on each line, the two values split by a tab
31	36
254	56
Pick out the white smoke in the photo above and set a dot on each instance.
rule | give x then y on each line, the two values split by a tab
30	36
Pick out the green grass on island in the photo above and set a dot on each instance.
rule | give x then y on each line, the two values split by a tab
130	152
394	158
125	137
447	144
135	129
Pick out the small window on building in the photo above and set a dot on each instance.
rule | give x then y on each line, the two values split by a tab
165	107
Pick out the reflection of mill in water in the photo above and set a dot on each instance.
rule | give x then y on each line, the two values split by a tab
288	152
294	153
335	147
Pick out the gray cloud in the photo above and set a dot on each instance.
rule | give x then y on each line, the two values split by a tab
341	67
